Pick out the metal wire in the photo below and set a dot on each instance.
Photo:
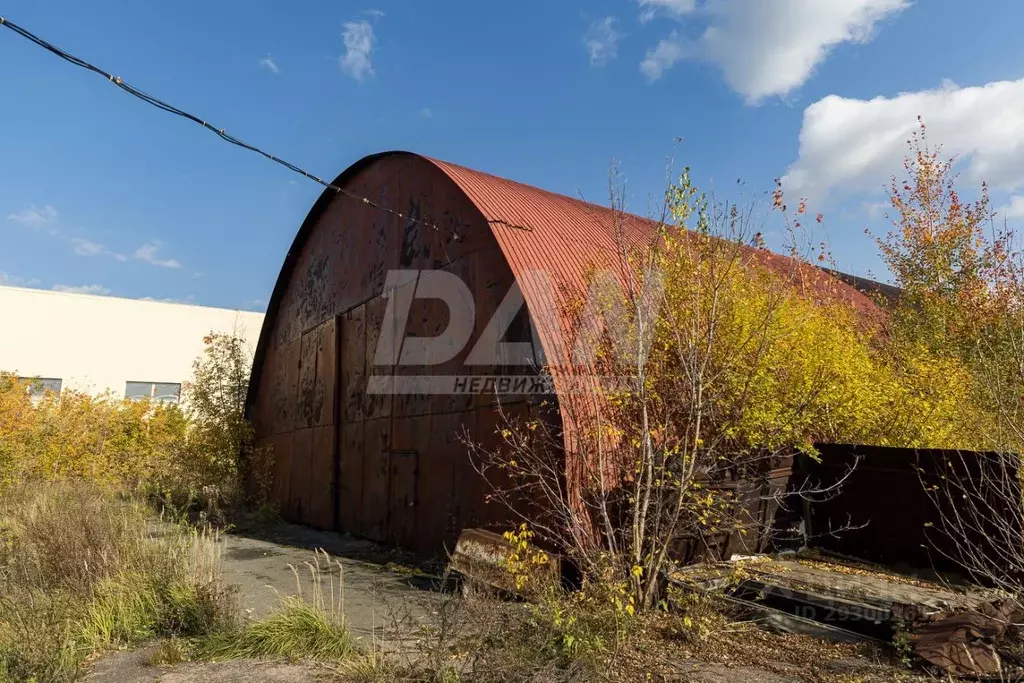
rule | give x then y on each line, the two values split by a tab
219	132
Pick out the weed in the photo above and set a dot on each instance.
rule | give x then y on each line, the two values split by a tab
169	652
313	629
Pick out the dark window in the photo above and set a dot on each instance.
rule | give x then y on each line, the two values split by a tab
160	392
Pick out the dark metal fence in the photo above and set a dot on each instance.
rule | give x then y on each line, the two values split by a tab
910	507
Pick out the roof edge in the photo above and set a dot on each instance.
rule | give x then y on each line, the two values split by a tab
288	266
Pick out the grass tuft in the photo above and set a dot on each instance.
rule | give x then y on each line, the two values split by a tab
313	629
169	652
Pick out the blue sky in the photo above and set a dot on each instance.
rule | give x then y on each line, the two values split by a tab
100	192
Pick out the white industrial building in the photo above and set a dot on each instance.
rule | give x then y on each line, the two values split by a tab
95	344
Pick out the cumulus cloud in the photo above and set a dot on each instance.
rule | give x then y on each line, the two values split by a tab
651	8
1015	209
856	145
34	215
359	40
663	56
149	253
99	290
270	65
602	41
770	48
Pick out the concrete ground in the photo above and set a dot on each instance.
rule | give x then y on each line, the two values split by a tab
383	598
379	587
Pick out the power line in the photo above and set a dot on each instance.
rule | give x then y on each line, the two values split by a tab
219	132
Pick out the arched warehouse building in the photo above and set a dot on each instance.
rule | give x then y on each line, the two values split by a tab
358	446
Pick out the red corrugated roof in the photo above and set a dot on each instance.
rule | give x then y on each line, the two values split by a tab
567	238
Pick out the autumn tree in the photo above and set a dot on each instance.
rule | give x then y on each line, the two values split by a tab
961	314
716	359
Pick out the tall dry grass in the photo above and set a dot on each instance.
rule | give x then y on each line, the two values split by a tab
303	627
83	570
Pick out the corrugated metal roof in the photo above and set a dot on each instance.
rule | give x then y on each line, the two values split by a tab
537	230
567	238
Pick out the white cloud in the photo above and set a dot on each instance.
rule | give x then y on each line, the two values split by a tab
770	48
875	210
1015	209
375	13
359	40
84	247
34	215
602	41
170	300
664	55
858	145
148	253
270	65
98	290
651	8
17	281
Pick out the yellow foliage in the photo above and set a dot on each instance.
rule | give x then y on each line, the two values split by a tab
114	442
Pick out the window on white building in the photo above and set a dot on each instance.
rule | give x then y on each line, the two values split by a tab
159	392
38	386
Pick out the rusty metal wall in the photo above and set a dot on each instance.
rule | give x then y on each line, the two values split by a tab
882	511
403	475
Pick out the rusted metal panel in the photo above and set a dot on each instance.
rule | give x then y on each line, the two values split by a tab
415	489
306	380
376	405
301	476
350	478
321	488
324	391
445	473
285	388
282	470
263	417
886	496
376	456
402	501
353	366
